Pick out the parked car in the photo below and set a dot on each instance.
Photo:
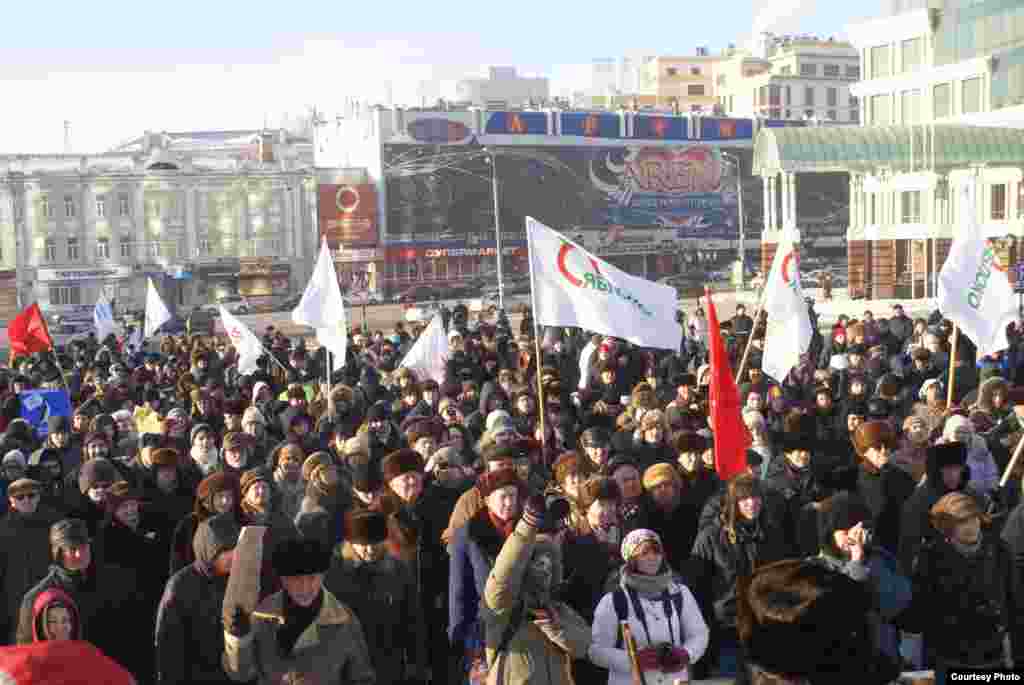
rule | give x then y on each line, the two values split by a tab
233	303
417	293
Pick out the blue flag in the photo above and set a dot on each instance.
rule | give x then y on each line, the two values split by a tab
39	405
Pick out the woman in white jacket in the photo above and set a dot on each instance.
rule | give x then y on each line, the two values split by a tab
666	622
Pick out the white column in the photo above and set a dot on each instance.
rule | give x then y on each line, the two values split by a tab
139	220
773	219
766	184
244	246
855	202
792	203
191	223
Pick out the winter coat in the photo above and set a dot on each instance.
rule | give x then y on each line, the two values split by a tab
1013	537
885	493
717	563
466	507
529	658
796	495
677	529
332	649
915	526
475	547
667	626
112	612
189	634
962	604
589	563
382	596
30	536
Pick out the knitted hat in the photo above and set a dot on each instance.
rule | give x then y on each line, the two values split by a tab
253	415
366	527
313	462
94	472
597	489
493	481
300	557
632	543
67	533
570	463
197	429
873	434
23	486
165	456
402	461
659	473
251	477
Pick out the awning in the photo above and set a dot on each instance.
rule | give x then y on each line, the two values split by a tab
820	149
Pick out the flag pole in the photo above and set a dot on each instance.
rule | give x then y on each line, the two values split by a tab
750	339
542	408
952	367
56	358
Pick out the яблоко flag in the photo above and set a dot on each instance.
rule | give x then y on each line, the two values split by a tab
974	288
789	323
572	287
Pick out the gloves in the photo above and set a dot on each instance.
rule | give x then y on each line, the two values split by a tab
236	621
649	659
571	636
675	660
535	511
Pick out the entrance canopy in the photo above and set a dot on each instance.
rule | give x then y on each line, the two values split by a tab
819	149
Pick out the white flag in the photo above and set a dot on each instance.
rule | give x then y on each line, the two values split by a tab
246	344
429	354
103	319
974	289
789	323
323	308
571	287
157	313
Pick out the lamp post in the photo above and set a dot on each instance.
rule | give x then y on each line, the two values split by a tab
497	226
739	198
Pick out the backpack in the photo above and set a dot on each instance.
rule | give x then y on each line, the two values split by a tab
621	602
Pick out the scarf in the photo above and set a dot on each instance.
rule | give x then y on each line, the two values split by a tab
647	586
296	620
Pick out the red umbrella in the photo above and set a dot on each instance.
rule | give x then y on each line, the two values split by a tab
60	662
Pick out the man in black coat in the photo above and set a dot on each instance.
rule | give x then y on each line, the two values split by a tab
110	608
189	635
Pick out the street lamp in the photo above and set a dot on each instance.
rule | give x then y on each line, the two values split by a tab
497	226
739	195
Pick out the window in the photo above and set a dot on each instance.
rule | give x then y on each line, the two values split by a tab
694	71
854	102
672	71
855	116
880	61
832	97
789	114
832	115
942	100
998	197
693	89
19	211
910	106
774	93
72	249
853	71
202	247
910	206
127	246
971	95
774	113
103	248
831	70
809	96
441	269
786	70
911	54
124	205
69	207
787	94
65	294
101	206
808	69
880	110
44	207
50	251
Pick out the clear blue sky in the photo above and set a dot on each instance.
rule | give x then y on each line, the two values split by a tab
94	40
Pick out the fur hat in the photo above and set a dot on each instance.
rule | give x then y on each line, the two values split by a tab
798	433
842	511
197	429
313	462
96	471
597	489
24	486
366	477
688	441
237	440
947	454
366	527
251	477
493	481
567	464
873	434
402	461
215	535
214	484
67	533
659	473
300	557
801	602
165	456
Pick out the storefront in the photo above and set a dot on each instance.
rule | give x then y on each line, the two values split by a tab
416	265
215	280
62	290
262	279
359	269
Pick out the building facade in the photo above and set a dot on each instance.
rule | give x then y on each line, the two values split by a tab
502	88
204	214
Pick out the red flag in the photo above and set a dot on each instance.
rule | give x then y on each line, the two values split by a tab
732	439
28	332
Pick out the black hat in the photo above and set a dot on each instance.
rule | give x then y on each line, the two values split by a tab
842	511
947	454
618	462
754	458
879	408
58	424
215	535
366	475
300	557
378	412
800	434
67	533
366	527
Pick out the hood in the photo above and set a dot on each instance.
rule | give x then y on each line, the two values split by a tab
46	599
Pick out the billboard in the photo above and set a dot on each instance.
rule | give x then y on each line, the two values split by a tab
348	214
687	189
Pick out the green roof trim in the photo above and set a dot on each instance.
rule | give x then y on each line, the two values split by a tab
820	149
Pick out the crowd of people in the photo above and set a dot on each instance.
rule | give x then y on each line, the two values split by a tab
503	525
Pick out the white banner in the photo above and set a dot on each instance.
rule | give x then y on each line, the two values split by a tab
323	308
157	313
572	287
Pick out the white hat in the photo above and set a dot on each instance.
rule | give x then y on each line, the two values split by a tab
454	333
494	417
838	362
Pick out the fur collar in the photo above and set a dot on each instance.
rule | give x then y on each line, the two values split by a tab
332	612
482	532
